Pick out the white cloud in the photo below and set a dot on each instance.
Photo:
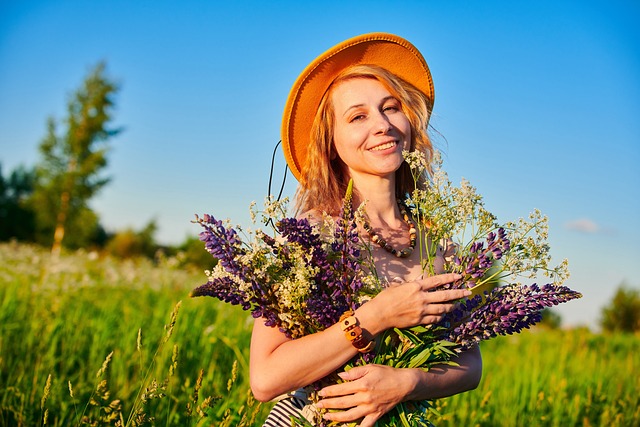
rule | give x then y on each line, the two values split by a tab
583	225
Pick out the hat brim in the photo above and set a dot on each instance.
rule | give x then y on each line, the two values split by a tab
388	51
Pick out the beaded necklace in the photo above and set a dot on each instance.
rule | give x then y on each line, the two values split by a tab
376	238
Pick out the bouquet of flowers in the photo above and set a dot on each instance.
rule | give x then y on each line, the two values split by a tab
301	277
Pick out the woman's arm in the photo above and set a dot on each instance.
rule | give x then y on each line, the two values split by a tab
444	380
279	365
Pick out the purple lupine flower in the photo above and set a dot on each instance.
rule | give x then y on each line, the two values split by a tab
324	304
220	241
333	289
480	259
504	311
224	244
340	277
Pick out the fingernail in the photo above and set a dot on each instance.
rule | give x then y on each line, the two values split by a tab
319	405
467	293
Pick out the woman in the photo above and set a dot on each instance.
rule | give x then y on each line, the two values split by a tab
349	117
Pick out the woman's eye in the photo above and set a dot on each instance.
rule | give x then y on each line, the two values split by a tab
357	118
391	108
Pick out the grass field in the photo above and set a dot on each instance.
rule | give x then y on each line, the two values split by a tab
91	340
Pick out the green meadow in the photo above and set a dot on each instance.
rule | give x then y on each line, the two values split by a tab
93	340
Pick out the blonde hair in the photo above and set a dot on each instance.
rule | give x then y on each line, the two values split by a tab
323	180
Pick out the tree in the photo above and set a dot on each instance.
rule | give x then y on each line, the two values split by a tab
69	173
623	312
192	253
16	218
130	243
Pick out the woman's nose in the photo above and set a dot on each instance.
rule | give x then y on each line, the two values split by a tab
382	125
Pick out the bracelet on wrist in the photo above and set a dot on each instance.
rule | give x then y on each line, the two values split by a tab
353	332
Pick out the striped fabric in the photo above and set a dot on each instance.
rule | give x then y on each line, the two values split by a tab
281	413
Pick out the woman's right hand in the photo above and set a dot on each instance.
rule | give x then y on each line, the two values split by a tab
414	303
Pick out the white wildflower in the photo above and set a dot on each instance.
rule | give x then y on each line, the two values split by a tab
274	209
416	160
252	211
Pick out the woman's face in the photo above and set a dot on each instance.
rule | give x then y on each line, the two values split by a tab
370	129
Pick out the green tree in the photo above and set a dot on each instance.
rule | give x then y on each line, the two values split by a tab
623	312
130	243
16	218
192	253
69	174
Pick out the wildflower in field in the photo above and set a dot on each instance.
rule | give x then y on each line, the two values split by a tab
505	310
295	280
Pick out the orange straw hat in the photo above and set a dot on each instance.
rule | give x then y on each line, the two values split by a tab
388	51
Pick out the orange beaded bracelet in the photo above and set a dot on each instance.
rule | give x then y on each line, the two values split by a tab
353	332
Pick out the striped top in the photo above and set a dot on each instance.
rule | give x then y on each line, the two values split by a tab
281	413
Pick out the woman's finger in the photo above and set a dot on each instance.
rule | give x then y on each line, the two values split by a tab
340	402
431	282
448	295
348	387
438	309
352	414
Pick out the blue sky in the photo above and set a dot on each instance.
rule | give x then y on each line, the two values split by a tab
537	101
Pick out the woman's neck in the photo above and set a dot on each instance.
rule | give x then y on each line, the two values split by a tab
379	196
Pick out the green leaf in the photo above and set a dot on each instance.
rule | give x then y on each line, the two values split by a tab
420	359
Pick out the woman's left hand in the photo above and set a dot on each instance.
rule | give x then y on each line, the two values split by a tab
369	392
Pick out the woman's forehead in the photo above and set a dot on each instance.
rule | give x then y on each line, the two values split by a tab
359	90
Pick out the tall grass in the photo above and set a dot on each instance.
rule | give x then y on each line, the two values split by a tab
91	340
66	320
553	378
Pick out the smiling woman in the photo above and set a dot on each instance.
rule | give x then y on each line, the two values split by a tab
349	117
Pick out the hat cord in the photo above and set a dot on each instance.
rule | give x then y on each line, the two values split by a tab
284	178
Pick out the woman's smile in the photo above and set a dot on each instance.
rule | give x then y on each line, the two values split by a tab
384	146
